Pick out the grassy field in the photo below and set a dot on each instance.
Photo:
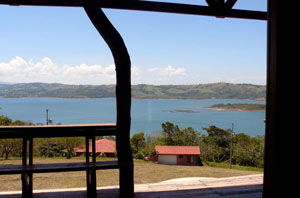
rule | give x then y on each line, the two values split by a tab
226	165
145	172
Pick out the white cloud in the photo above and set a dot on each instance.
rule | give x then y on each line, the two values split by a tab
166	75
169	71
18	71
45	70
135	71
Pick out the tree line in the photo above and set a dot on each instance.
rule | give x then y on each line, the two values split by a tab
200	91
43	147
214	144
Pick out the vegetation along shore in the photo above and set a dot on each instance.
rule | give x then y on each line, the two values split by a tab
215	145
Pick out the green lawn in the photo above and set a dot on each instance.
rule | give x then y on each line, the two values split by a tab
144	172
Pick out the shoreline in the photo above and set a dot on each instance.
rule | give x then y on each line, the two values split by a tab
182	111
137	98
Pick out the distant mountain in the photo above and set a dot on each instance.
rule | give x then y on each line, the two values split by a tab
4	83
56	90
201	91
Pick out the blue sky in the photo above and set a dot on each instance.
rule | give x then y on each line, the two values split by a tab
50	44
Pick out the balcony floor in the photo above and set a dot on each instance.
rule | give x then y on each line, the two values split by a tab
249	186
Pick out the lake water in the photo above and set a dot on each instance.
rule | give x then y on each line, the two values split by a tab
147	114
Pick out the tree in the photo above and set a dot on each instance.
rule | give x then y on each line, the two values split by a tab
189	137
51	147
219	136
69	144
170	133
208	149
249	151
137	142
219	141
151	141
173	135
54	147
8	146
5	121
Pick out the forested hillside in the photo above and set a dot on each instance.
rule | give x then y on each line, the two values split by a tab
201	91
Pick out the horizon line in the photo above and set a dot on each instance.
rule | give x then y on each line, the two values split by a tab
8	83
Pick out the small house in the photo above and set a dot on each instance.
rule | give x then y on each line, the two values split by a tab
178	155
106	146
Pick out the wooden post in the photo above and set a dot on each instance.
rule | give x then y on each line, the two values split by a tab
30	151
93	193
91	184
93	149
123	93
279	145
231	146
27	177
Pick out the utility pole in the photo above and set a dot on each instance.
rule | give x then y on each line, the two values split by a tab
47	119
47	122
231	145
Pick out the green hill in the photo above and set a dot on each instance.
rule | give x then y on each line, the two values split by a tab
201	91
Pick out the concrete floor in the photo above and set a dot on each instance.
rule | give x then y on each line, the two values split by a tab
231	187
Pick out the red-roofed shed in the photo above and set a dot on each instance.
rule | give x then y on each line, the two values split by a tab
102	146
178	155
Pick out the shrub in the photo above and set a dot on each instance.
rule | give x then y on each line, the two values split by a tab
102	154
139	155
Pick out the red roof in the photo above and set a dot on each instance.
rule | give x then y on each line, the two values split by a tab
102	146
178	150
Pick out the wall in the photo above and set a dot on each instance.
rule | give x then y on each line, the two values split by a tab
183	160
167	159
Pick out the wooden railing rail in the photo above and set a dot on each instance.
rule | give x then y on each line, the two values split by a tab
28	168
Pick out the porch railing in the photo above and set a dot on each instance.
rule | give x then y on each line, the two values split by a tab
28	167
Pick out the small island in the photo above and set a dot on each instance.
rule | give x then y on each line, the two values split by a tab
236	107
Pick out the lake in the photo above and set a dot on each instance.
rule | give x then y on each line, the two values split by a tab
147	114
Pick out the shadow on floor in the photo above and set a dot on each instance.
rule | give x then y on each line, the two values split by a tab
248	191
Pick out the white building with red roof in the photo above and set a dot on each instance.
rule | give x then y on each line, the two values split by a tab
102	146
178	155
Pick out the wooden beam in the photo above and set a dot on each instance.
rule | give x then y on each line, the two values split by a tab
150	6
230	3
75	130
211	2
57	167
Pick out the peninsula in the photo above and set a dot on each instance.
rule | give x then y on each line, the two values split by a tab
236	107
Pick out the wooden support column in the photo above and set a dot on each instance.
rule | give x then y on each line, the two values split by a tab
91	181
26	178
279	143
123	93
